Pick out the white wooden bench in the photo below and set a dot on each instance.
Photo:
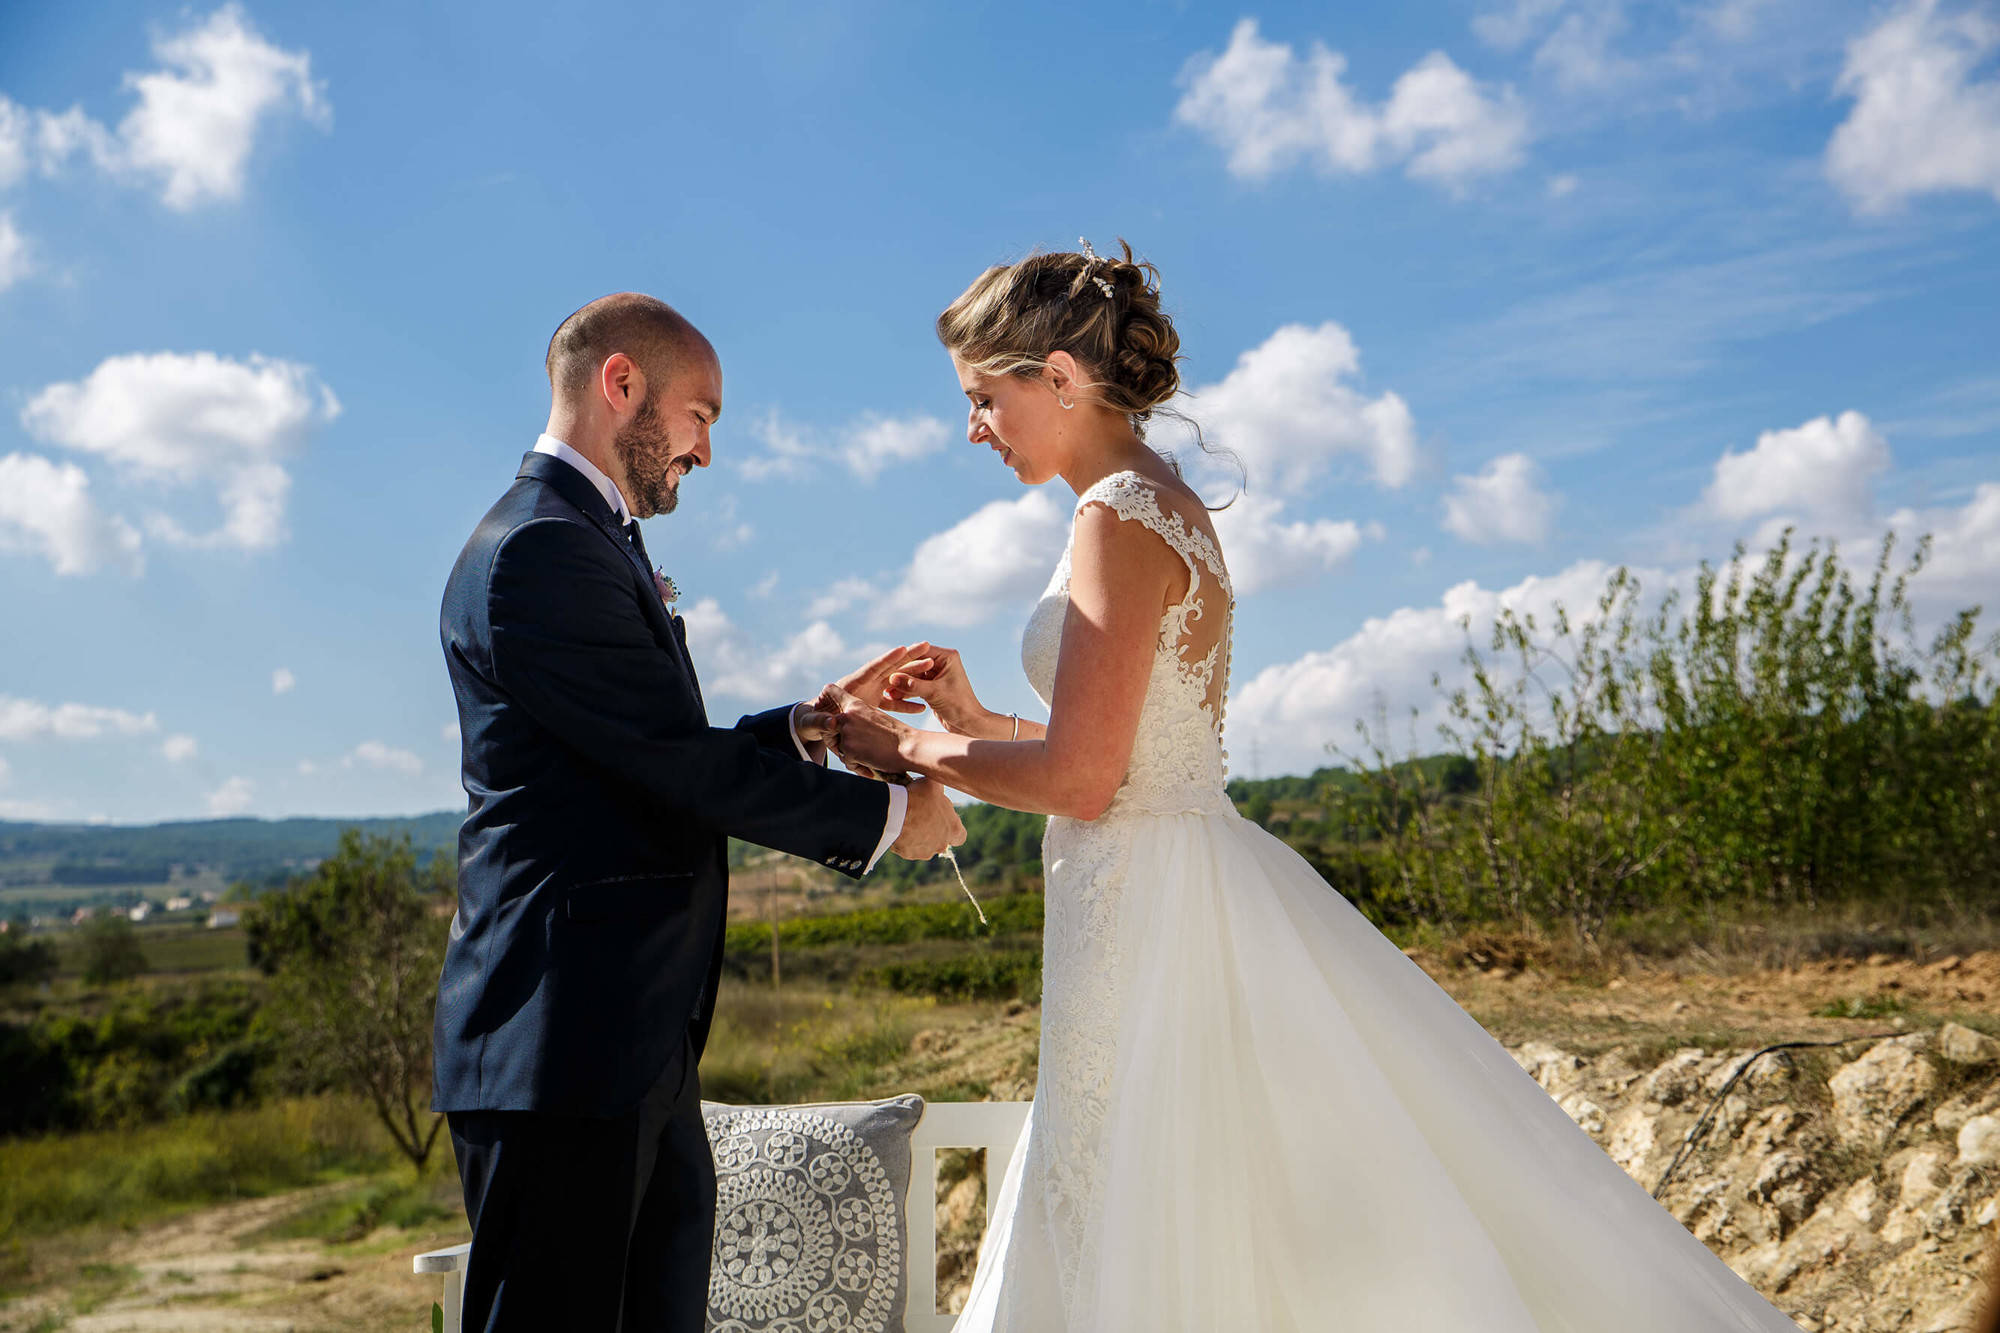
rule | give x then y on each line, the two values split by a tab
994	1126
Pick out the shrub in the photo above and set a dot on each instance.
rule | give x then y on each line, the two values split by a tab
23	961
997	975
111	951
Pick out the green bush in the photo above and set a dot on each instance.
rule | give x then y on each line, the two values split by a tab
24	961
1778	740
145	1054
111	951
1008	914
997	975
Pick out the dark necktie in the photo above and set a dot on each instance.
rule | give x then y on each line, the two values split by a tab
638	540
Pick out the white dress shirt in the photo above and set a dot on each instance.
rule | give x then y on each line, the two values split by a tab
899	800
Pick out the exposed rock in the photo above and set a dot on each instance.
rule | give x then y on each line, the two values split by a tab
1680	1078
1874	1094
1962	1045
1588	1115
1788	1186
1951	1117
1551	1066
1979	1141
1633	1135
962	1204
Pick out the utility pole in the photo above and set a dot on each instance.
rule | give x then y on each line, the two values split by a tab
771	912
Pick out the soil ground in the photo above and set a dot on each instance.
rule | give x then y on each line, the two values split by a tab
224	1269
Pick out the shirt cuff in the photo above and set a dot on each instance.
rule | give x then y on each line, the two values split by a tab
792	725
899	805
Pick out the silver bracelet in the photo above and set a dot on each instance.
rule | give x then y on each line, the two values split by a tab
1017	726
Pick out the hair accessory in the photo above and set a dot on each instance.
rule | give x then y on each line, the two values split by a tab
1091	260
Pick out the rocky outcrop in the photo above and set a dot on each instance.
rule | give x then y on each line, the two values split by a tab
1858	1189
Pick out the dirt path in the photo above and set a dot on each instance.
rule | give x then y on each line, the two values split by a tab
208	1272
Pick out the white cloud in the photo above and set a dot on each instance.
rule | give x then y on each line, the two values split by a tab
843	594
179	748
1965	555
997	557
1824	469
389	759
1921	123
1511	29
1577	55
189	418
1291	711
867	446
1270	108
449	731
197	119
46	508
233	797
16	141
1561	187
26	810
1503	503
1263	551
14	261
28	719
283	681
1289	409
731	665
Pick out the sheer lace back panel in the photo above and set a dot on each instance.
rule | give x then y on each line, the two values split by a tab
1178	761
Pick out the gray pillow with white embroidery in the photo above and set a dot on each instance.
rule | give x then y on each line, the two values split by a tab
809	1225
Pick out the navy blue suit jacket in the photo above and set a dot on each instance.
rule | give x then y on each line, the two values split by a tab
592	866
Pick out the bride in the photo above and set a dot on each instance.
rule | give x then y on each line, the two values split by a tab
1253	1112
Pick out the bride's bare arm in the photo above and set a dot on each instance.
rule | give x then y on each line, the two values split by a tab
1122	578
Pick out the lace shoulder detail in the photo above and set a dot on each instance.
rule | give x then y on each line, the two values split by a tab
1135	498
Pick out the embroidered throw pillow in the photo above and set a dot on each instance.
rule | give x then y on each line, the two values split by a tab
809	1226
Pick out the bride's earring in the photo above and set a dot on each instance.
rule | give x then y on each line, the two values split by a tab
1067	404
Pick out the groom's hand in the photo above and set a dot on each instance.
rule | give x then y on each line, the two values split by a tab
930	823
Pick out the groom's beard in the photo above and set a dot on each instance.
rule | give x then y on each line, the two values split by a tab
652	469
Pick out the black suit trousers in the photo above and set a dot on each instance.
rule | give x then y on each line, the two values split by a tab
591	1225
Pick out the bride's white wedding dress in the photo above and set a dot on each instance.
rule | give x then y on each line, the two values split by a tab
1254	1114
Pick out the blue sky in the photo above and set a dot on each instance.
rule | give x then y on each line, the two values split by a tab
1489	296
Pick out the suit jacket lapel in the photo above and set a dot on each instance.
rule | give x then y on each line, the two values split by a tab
575	488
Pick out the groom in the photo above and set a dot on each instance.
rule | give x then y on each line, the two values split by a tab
581	975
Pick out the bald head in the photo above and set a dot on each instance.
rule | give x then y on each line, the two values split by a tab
644	328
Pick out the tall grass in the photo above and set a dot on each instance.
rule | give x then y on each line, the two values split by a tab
122	1177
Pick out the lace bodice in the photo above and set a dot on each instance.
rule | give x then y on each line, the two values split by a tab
1178	762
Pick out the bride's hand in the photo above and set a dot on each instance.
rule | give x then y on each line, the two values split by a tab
936	676
869	682
867	740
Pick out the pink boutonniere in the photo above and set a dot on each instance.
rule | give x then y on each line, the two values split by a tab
669	594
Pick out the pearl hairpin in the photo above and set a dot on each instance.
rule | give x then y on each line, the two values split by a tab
1092	259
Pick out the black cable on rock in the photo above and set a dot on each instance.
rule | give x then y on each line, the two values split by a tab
1707	1117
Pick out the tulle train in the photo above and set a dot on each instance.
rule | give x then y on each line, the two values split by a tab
1306	1133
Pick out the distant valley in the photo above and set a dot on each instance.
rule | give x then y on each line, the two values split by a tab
53	869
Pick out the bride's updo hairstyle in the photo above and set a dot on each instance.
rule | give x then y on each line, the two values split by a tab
1103	311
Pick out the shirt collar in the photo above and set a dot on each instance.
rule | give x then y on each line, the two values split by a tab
554	448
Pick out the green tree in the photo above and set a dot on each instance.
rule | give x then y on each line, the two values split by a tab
353	951
25	962
111	951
